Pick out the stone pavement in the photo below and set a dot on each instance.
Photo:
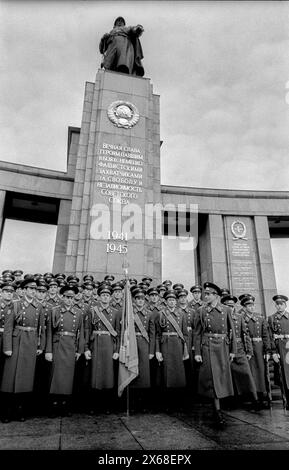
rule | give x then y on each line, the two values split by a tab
176	431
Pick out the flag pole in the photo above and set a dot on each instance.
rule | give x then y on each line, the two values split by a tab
125	266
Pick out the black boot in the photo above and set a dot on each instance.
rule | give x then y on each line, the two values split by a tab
219	419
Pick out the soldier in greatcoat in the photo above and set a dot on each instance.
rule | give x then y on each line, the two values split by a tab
102	333
196	301
172	350
215	347
279	333
145	338
23	341
64	345
258	330
240	368
6	308
190	364
53	298
43	367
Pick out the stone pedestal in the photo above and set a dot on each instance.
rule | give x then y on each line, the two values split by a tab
117	165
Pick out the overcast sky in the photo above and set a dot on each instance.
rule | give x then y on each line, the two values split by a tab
220	68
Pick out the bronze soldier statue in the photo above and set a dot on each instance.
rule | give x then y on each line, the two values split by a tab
122	49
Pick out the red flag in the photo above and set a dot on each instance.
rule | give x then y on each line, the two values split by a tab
128	356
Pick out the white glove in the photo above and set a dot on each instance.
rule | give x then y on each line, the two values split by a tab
48	357
232	356
276	357
248	356
77	356
38	352
87	355
267	357
186	357
115	356
198	358
8	353
151	356
159	356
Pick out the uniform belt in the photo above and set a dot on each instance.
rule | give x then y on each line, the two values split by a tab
26	328
257	340
66	333
216	335
101	332
1	330
280	336
170	333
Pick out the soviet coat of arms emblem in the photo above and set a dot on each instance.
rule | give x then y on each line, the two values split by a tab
238	229
123	114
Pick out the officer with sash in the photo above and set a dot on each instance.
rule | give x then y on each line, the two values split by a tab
279	332
240	368
172	349
257	329
145	337
102	332
64	345
23	341
215	347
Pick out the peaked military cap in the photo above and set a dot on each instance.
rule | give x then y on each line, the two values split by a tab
7	271
281	297
17	272
60	276
161	287
48	275
104	289
132	281
143	286
72	278
52	282
226	298
196	288
242	296
167	283
178	286
147	280
8	286
69	288
170	294
109	278
28	282
138	292
117	286
212	287
88	277
87	285
182	292
152	291
247	299
225	291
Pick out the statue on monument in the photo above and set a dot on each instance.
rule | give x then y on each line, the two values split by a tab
121	49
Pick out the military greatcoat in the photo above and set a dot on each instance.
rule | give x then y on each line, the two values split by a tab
279	333
103	344
214	340
241	372
6	308
65	338
145	346
257	329
24	333
172	347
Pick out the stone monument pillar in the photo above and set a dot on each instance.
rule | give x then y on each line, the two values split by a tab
118	164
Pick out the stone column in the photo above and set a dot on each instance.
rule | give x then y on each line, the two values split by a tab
266	265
